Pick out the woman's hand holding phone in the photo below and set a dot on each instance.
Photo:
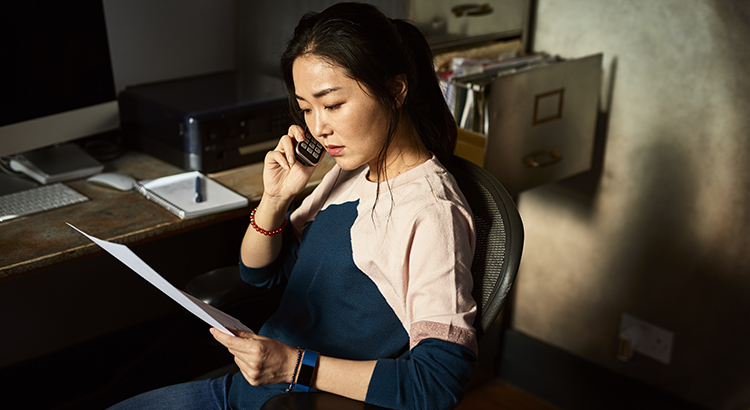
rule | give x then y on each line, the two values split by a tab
284	176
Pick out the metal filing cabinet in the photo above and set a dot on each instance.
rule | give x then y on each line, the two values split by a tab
539	118
542	122
454	23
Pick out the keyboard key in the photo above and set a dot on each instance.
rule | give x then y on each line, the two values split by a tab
38	199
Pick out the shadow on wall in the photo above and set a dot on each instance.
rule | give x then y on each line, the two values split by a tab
658	229
662	268
669	276
685	246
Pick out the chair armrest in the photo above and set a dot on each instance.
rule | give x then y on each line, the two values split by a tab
224	287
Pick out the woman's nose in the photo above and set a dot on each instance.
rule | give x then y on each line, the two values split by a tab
318	125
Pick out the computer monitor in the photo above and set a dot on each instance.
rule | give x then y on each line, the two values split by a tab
56	80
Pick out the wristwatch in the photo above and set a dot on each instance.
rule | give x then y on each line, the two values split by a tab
306	371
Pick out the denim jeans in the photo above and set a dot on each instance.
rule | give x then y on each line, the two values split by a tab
210	394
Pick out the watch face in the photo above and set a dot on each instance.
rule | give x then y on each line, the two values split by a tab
306	371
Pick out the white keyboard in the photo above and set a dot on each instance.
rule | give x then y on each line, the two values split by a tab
38	199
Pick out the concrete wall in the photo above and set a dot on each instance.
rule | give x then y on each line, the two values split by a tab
660	228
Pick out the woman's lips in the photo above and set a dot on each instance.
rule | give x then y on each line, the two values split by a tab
334	150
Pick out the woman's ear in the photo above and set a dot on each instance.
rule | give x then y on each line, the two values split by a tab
399	89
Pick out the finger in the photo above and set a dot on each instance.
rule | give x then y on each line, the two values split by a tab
243	334
286	145
277	157
297	132
229	341
245	365
250	370
222	337
244	370
218	333
250	379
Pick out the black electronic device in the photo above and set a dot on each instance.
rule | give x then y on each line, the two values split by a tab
310	151
56	76
207	123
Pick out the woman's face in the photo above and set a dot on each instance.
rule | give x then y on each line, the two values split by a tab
339	113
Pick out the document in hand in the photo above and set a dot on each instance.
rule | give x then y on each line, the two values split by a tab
207	313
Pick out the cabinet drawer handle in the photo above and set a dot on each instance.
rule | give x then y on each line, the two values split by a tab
543	158
472	10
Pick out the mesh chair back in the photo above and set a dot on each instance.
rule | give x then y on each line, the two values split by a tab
499	239
496	257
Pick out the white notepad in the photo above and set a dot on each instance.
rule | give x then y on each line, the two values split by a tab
177	194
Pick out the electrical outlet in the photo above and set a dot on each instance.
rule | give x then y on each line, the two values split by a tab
645	338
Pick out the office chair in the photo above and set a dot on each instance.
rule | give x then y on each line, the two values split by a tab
499	242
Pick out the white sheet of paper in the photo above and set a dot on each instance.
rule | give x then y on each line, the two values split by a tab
207	313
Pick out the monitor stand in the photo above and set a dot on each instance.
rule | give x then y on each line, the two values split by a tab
57	163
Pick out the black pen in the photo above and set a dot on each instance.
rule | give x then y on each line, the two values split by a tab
198	194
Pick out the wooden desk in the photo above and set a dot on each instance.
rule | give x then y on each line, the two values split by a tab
43	240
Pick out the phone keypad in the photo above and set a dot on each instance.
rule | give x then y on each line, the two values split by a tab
311	149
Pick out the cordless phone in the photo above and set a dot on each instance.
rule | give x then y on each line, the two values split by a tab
310	151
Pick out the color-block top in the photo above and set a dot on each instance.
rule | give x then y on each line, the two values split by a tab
379	275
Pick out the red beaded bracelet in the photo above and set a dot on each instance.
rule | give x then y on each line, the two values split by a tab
263	231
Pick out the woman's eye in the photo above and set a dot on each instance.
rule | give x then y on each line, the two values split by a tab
304	112
333	107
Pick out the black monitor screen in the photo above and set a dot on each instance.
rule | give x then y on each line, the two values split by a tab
54	57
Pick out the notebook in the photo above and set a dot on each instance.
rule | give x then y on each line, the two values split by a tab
178	194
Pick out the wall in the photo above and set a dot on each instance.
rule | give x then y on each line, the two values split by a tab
161	40
659	229
264	27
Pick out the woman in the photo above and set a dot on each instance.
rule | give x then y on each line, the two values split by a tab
377	305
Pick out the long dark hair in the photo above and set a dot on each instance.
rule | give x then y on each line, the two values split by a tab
374	50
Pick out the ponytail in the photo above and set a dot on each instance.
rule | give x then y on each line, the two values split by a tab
425	103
